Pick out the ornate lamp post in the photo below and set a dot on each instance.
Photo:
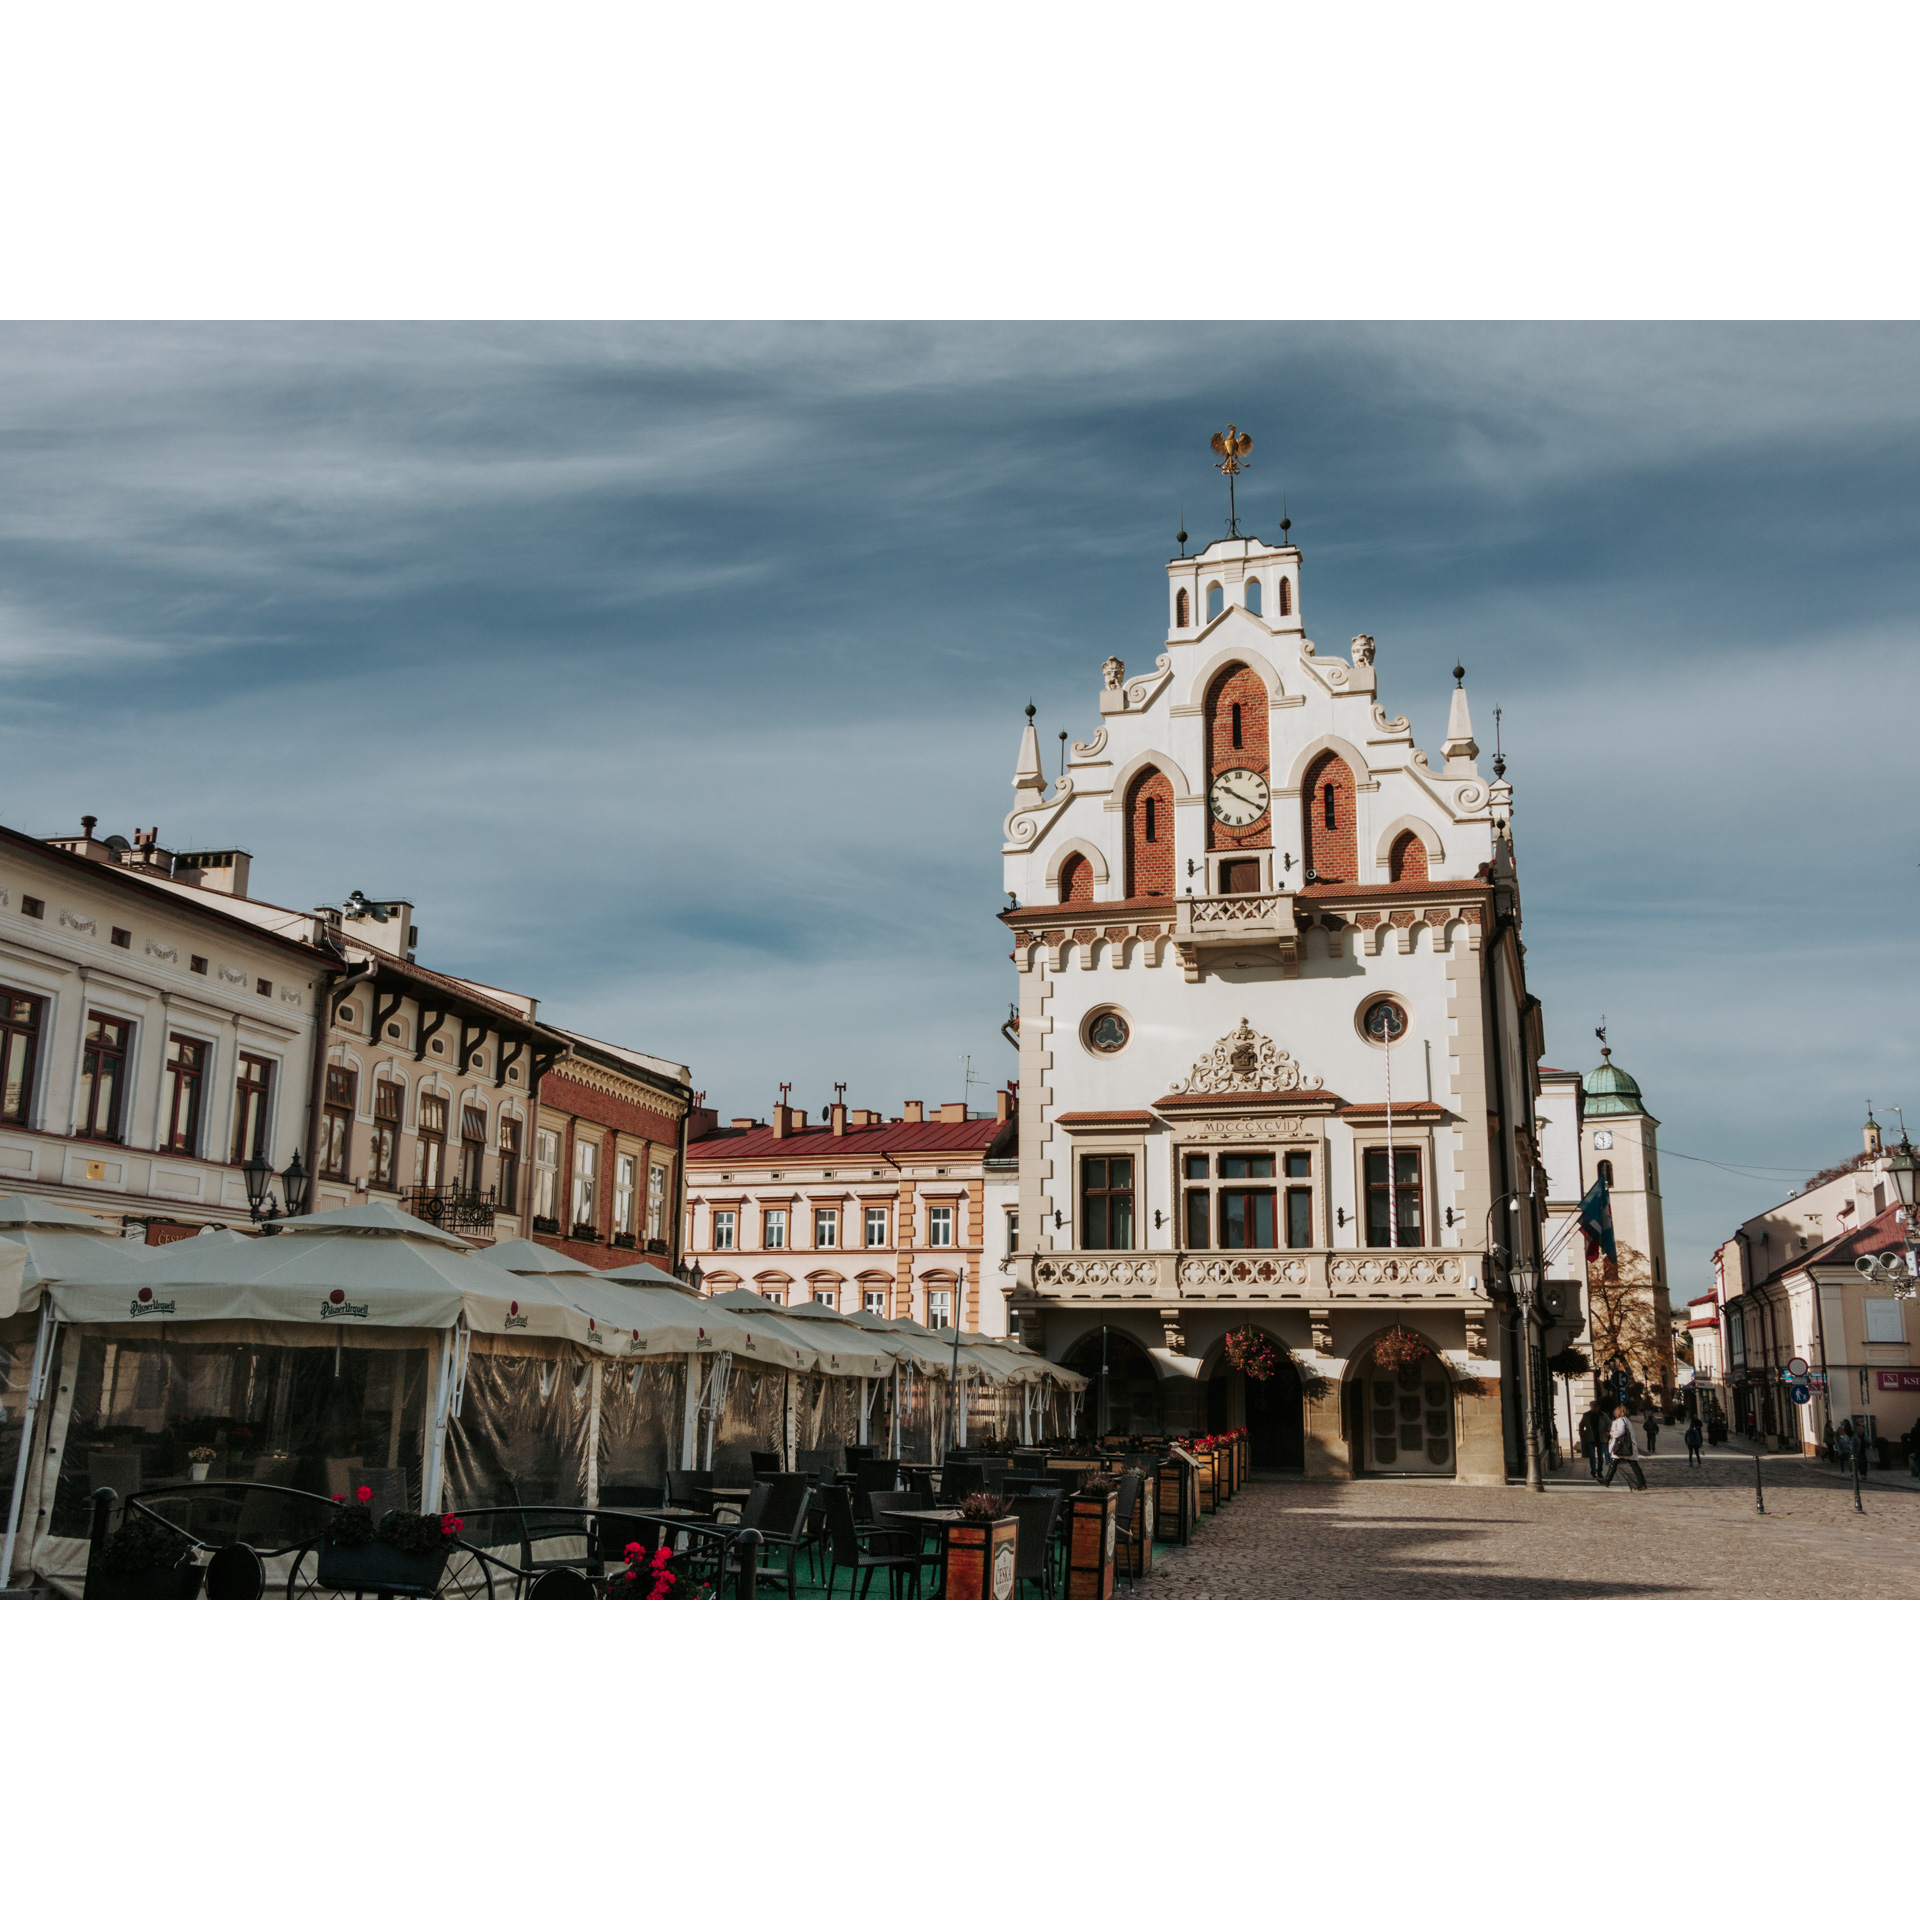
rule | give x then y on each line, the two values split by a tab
1525	1279
1896	1269
263	1205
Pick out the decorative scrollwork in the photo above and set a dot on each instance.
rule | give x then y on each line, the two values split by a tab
1247	1062
1398	724
1470	797
1089	749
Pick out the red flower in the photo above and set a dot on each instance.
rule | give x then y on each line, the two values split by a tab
364	1493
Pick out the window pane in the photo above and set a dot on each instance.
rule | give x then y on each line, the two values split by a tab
1299	1217
876	1226
1246	1166
1197	1234
1120	1221
1196	1166
1299	1166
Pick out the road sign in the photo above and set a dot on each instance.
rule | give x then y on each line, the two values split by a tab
1796	1368
1800	1395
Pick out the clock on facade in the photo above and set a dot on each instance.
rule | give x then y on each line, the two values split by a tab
1603	1139
1238	797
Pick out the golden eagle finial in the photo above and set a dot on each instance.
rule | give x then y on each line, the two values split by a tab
1233	447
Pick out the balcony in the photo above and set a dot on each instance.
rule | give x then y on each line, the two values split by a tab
452	1209
1313	1276
1236	922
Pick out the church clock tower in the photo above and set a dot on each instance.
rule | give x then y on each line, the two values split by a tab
1278	1057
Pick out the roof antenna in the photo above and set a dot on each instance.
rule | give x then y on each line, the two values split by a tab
1499	758
1181	536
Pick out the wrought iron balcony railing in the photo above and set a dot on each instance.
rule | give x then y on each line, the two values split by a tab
453	1209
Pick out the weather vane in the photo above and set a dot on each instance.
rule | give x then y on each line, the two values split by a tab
1233	447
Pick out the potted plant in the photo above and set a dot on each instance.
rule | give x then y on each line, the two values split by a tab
199	1461
979	1558
1093	1516
143	1560
400	1552
1398	1348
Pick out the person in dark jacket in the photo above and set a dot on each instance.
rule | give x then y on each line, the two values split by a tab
1694	1437
1651	1425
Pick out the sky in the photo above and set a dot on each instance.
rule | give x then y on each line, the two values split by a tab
676	672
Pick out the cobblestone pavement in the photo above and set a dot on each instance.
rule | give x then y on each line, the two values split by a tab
1693	1535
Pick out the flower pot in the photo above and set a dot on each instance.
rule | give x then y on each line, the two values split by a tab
1092	1523
198	1469
147	1583
375	1567
1176	1498
1209	1482
1135	1560
978	1560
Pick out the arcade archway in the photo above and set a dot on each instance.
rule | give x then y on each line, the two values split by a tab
1400	1413
1272	1410
1123	1391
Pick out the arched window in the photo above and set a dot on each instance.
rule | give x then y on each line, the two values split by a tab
1407	858
1253	596
1236	713
1327	797
1216	599
1606	1173
1180	608
1150	836
1286	596
1076	882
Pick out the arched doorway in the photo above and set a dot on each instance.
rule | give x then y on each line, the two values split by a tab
1274	1414
1123	1386
1400	1416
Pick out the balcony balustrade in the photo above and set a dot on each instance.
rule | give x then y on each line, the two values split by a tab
1306	1274
452	1209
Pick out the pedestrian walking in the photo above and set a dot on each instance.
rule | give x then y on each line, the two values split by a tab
1593	1436
1620	1450
1652	1426
1694	1437
1913	1449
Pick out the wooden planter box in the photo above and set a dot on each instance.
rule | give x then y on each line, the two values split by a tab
376	1567
978	1562
1137	1560
1226	1470
1176	1498
1091	1518
1209	1481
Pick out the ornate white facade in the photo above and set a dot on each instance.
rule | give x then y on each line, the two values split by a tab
1246	864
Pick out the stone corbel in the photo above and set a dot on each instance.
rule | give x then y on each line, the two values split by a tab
1322	1320
1477	1332
1173	1336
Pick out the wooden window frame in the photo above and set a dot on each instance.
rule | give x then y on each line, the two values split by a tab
1418	1185
510	1137
186	1079
19	1042
731	1217
868	1216
827	1218
252	1107
1105	1196
340	1097
389	1117
92	1051
772	1220
943	1215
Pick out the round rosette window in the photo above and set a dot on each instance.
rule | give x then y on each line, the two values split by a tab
1384	1022
1106	1031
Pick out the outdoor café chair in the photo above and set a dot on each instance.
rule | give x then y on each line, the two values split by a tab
1033	1552
959	1479
857	1452
765	1465
818	1460
875	1476
690	1487
752	1510
1126	1513
850	1543
633	1495
784	1547
561	1583
921	1481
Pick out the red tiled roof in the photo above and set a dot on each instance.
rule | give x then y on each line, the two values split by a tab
1882	1234
822	1143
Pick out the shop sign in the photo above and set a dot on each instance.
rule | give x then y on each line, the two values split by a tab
1899	1379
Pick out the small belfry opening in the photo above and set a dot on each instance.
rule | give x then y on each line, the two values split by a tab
1182	609
1407	858
1076	881
1216	599
1286	596
1150	871
1253	596
1327	801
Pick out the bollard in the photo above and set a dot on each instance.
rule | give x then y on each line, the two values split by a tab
1854	1456
103	1501
1759	1498
748	1540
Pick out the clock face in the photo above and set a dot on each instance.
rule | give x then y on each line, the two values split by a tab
1238	797
1603	1140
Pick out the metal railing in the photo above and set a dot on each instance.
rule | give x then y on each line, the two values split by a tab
455	1209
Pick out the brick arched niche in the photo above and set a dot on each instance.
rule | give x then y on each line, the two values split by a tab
1236	710
1076	882
1327	802
1407	859
1150	869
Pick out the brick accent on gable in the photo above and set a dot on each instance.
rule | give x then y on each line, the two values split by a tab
1332	853
1243	688
1150	868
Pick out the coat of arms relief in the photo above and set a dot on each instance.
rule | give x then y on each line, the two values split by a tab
1247	1062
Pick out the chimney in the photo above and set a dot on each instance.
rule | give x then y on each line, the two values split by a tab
863	1117
952	1111
837	1113
1003	1106
701	1121
88	821
782	1120
912	1112
743	1125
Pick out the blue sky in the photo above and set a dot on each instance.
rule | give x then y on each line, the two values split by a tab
676	671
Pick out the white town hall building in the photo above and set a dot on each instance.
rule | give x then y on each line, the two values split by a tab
1249	905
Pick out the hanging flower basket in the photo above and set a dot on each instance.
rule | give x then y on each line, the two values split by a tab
1252	1353
1398	1348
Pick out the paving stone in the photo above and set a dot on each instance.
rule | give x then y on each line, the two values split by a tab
1693	1535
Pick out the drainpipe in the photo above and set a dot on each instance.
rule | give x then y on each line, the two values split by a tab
326	1005
680	1203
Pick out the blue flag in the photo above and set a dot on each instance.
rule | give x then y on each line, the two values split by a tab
1596	1222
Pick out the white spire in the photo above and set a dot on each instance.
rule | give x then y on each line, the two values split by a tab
1026	773
1461	745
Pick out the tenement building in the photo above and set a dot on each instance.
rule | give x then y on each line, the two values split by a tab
897	1218
1277	1053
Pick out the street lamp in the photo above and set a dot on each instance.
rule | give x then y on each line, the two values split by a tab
262	1203
1525	1280
1896	1270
